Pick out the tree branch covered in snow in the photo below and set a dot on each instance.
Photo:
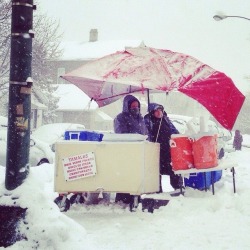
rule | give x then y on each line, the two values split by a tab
5	24
45	47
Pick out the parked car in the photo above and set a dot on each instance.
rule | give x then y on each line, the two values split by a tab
40	152
227	135
42	141
50	133
191	125
185	124
3	122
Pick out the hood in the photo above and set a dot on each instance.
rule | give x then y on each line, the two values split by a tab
153	106
128	99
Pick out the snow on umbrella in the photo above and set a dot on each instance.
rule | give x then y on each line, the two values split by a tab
136	69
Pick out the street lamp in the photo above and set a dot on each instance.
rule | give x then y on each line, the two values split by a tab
221	17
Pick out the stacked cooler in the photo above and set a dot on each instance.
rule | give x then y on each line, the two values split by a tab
204	180
198	152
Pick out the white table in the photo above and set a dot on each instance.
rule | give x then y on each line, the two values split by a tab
223	164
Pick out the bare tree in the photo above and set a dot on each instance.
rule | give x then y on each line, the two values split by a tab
5	24
45	48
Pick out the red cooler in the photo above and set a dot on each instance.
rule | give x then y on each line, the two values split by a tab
181	152
205	151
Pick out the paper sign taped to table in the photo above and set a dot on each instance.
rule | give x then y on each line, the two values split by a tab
79	166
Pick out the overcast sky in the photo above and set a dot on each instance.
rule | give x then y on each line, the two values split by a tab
185	26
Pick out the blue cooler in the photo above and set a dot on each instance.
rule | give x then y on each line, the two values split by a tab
197	180
217	175
82	135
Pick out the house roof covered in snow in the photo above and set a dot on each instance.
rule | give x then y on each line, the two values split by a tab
92	50
72	98
100	116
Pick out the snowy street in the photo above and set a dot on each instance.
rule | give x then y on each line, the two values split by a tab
199	220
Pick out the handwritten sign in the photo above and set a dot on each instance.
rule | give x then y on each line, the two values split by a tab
79	166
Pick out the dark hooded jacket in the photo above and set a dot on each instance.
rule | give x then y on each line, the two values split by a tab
127	122
164	135
238	139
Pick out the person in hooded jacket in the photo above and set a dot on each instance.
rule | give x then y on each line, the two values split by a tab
129	121
238	139
160	129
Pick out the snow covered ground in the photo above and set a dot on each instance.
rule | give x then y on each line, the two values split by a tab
199	220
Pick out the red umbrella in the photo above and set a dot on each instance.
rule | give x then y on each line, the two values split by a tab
137	69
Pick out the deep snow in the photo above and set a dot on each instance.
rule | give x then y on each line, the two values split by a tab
199	220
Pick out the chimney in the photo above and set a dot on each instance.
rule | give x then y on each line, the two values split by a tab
93	35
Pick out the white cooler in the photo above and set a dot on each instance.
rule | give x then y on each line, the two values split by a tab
124	167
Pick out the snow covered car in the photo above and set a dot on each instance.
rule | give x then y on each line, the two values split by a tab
50	133
227	135
190	125
41	141
40	152
3	122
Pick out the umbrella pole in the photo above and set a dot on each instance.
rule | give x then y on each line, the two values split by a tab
148	98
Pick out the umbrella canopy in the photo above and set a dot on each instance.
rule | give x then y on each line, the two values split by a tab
137	69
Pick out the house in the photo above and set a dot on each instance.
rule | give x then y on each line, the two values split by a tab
37	108
75	54
76	107
73	103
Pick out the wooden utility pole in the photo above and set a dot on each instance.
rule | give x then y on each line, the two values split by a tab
18	141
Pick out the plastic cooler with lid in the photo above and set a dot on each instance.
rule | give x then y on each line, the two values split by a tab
205	150
198	181
79	135
181	152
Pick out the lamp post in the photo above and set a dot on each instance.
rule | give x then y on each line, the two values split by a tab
221	17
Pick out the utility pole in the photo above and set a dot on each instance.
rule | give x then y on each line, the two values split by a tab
18	140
